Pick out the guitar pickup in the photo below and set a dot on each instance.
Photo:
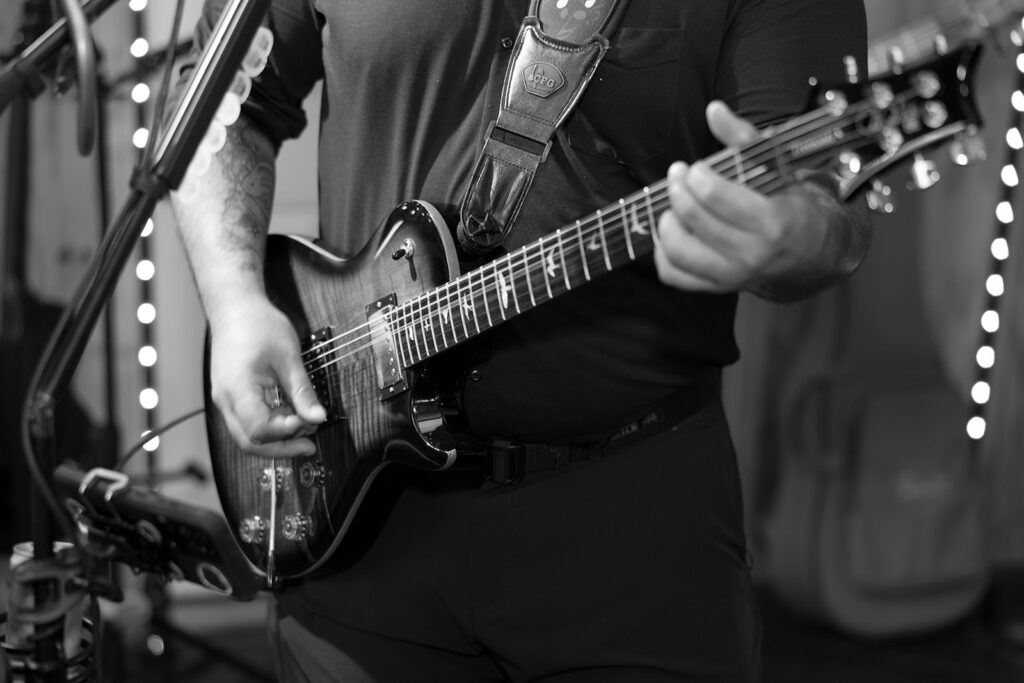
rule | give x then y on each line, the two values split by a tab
391	378
321	362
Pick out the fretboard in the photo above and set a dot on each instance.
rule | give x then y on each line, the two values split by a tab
575	254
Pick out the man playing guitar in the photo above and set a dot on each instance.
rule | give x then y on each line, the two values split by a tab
603	539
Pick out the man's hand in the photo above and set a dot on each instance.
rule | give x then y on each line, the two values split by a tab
720	236
259	382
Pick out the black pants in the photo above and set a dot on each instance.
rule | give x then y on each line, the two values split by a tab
628	567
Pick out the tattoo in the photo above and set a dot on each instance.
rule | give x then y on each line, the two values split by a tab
248	168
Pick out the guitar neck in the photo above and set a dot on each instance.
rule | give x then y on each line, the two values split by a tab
575	254
912	111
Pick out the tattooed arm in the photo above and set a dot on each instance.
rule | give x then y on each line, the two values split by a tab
223	223
224	220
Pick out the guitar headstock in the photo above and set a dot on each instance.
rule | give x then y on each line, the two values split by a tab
974	21
860	130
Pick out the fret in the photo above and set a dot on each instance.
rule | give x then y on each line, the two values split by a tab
627	228
500	289
444	316
456	298
544	270
583	253
529	276
487	304
428	319
394	327
413	337
781	170
648	202
604	243
561	255
472	301
460	308
512	281
737	160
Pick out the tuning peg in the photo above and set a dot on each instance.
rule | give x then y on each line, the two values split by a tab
923	173
852	70
849	164
894	55
941	44
879	197
968	149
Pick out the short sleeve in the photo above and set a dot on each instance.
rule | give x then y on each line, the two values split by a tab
293	67
773	47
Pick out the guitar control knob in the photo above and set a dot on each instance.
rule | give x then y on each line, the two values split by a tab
281	475
297	527
252	529
312	475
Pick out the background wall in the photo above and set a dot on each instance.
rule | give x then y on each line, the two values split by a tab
927	270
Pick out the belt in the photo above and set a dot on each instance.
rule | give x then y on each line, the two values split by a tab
506	462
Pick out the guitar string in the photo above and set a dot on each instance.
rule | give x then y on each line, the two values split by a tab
586	226
591	227
615	250
765	146
430	321
401	327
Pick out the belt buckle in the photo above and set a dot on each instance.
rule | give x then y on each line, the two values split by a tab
504	461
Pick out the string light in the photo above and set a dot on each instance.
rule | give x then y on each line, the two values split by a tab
995	286
145	268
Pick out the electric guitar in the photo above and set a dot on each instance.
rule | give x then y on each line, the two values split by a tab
372	325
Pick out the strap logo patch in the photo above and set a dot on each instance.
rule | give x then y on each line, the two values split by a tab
542	79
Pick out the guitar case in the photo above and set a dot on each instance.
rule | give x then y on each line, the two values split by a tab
871	509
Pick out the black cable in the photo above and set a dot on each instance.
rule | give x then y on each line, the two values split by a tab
85	63
152	434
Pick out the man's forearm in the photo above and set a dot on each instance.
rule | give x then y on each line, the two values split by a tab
847	236
224	216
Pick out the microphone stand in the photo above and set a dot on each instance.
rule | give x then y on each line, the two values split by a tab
21	76
229	42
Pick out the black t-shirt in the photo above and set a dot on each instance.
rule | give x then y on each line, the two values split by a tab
409	90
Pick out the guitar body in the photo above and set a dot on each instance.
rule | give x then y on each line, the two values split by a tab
289	514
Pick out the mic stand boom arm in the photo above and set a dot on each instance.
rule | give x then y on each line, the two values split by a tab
22	73
229	42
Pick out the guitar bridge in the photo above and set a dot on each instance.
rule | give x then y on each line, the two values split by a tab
391	379
322	367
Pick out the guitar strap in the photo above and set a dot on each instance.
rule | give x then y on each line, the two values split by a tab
559	46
